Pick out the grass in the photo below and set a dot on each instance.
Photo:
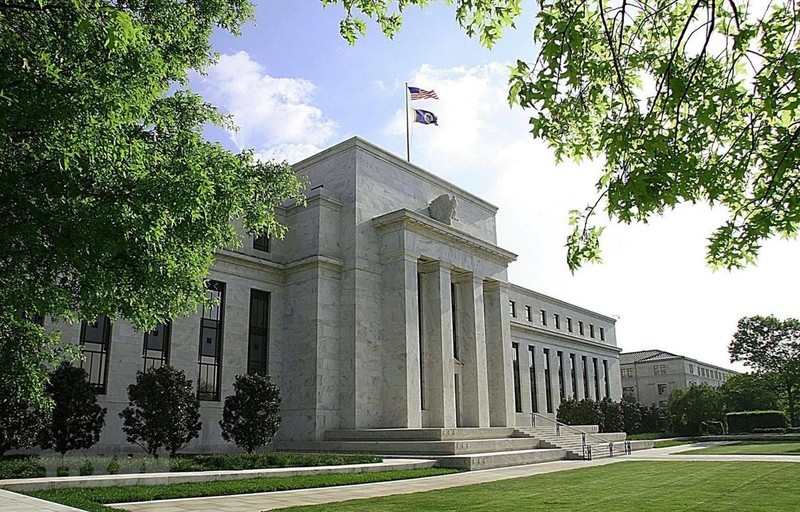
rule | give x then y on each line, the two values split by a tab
749	448
621	487
648	436
93	499
674	442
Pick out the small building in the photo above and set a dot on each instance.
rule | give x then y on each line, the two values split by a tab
651	375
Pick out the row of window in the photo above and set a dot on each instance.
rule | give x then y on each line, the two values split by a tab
96	341
573	376
543	320
661	369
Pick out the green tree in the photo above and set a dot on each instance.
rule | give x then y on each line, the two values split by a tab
612	414
251	415
751	392
580	412
685	100
76	419
163	411
20	422
689	408
771	346
111	200
632	415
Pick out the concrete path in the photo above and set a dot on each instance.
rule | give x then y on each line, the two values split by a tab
13	502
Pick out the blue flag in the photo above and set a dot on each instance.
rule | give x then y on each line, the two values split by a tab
425	117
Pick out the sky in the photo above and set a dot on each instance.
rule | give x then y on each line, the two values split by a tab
294	87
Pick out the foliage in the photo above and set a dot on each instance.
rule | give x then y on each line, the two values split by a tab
706	87
76	419
251	415
20	423
631	416
579	412
613	418
164	411
113	466
689	408
86	468
739	422
771	346
111	200
653	418
22	467
750	392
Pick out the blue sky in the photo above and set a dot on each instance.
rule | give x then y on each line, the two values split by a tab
294	87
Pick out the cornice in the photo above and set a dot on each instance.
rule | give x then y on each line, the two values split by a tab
563	337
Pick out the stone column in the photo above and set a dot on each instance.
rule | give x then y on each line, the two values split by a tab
556	389
525	379
471	334
601	374
401	364
592	388
498	354
616	379
567	376
437	340
541	390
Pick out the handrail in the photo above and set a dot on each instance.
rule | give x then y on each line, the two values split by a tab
586	448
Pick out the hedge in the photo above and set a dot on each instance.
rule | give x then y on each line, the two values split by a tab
745	422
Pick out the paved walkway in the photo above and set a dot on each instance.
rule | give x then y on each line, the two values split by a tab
274	500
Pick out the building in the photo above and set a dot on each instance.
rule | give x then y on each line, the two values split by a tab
651	375
386	306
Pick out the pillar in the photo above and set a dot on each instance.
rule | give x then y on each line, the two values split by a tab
471	334
498	354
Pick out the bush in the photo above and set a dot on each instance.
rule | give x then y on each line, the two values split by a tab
62	471
86	468
631	416
20	423
251	416
613	419
745	422
769	430
579	412
164	411
77	420
113	466
25	467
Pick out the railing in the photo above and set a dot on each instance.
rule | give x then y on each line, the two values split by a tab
586	448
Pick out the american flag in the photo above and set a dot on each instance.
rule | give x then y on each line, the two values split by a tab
422	94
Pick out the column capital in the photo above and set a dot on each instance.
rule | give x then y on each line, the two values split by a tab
426	267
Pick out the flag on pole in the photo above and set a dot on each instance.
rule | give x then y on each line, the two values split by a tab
425	117
422	94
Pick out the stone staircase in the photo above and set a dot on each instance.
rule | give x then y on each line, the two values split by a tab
570	439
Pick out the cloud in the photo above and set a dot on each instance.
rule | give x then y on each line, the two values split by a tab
276	116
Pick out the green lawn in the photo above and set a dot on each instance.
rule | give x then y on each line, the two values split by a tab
667	444
620	487
749	448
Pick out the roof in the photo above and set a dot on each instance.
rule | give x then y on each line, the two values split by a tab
646	355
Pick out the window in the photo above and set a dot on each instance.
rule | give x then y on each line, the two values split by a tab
557	320
96	341
591	331
517	394
628	391
659	369
585	364
691	368
574	375
628	372
602	334
543	316
261	243
569	324
606	379
155	351
580	327
596	379
210	351
561	386
513	308
548	391
532	372
662	389
528	314
258	333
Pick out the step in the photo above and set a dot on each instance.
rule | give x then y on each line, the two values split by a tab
458	447
476	461
419	434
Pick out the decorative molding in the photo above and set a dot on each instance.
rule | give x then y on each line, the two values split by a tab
532	329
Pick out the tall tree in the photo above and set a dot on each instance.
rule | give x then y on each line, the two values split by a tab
751	392
771	346
111	200
686	101
689	408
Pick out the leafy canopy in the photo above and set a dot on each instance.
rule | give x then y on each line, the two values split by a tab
111	200
686	100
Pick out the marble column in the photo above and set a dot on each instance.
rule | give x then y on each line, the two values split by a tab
541	390
601	373
554	387
498	354
471	335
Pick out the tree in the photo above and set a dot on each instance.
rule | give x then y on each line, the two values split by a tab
580	412
20	422
76	418
631	414
750	392
612	414
689	408
686	101
163	411
111	200
251	415
769	345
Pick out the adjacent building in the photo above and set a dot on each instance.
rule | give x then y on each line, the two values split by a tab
651	375
387	305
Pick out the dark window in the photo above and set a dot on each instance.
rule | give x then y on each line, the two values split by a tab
548	392
605	377
591	331
210	353
261	243
585	363
561	386
602	334
596	379
574	375
517	394
532	372
557	320
258	334
513	307
580	327
528	314
96	341
543	316
156	346
569	324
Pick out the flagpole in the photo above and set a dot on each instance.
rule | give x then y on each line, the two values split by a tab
408	136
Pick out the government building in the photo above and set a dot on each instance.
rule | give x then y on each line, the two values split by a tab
387	306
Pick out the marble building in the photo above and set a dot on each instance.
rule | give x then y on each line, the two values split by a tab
387	305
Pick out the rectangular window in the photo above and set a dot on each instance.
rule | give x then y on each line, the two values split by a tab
517	393
96	342
596	379
513	307
691	368
548	391
156	346
569	324
580	327
258	333
261	243
557	320
591	331
532	373
602	334
662	389
574	375
660	369
561	385
528	314
606	379
585	364
210	351
628	391
543	316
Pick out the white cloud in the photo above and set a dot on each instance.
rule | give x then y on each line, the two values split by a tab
276	116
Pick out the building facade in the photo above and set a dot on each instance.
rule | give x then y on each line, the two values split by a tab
651	375
387	305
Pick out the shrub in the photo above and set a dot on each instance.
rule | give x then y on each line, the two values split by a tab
745	422
689	408
76	420
631	416
163	411
24	467
86	468
579	412
62	471
613	419
20	423
251	416
769	430
113	466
